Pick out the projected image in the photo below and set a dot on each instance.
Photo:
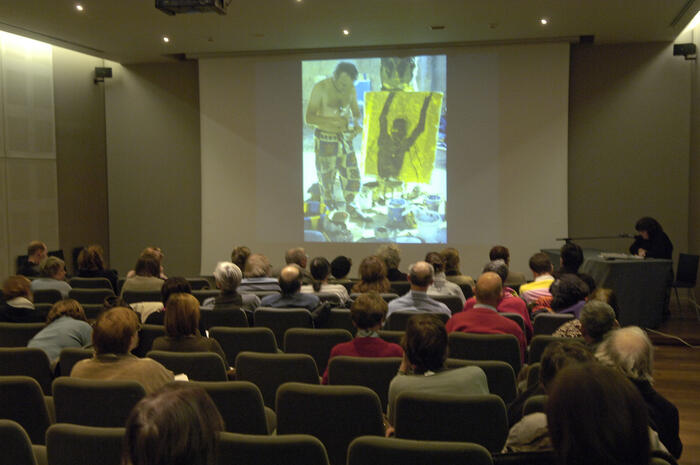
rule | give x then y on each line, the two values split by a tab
374	148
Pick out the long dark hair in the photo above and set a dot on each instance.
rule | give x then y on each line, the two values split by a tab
320	269
649	225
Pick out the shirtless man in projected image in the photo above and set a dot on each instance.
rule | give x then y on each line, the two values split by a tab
334	112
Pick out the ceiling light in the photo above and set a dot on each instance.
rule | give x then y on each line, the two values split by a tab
544	21
166	39
79	7
346	32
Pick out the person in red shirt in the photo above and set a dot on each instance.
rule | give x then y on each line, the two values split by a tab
483	317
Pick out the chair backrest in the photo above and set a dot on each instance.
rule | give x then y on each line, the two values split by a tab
47	296
92	311
26	361
204	294
400	287
391	336
91	296
328	297
468	346
334	414
236	340
340	318
289	449
147	335
92	402
199	366
70	356
467	290
392	451
397	320
687	271
375	373
279	320
539	343
76	444
240	404
16	446
547	323
533	375
133	297
315	342
453	302
534	404
387	296
544	457
270	371
18	334
21	400
437	417
199	284
232	317
499	375
517	317
90	283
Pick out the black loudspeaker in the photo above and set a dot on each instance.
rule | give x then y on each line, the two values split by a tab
103	72
173	7
689	51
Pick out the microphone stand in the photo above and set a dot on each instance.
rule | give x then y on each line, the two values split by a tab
569	240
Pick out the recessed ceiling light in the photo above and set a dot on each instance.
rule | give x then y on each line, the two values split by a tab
346	32
166	39
544	21
79	7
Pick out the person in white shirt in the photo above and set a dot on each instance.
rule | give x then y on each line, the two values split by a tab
320	272
441	286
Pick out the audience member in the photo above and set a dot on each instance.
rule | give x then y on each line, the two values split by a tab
66	326
630	351
510	302
514	278
155	253
368	313
146	275
652	241
340	268
600	320
483	317
91	264
541	269
391	256
568	294
372	276
153	313
36	253
440	285
420	275
290	283
570	258
320	272
228	277
114	336
423	365
297	256
181	328
257	275
176	425
451	256
53	276
240	255
17	306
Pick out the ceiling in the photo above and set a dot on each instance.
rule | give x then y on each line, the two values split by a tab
131	31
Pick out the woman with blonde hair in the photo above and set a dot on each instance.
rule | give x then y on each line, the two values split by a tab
66	326
91	264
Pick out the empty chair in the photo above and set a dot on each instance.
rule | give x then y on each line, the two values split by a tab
686	278
76	444
92	311
269	371
315	342
70	356
24	361
199	366
374	373
453	302
236	340
499	375
372	450
517	317
233	317
433	417
469	346
397	320
199	284
280	320
391	336
21	400
334	414
290	449
133	297
240	405
539	343
148	334
18	334
204	294
91	296
92	402
340	318
47	296
16	446
547	323
534	404
90	283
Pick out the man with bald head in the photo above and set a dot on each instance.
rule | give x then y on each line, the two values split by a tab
420	275
483	317
290	283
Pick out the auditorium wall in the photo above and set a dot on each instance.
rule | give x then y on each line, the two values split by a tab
694	175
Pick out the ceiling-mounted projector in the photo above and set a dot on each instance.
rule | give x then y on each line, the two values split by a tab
173	7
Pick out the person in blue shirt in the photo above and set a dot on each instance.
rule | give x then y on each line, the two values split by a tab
66	326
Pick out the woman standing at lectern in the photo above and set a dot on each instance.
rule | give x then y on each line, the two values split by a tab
652	241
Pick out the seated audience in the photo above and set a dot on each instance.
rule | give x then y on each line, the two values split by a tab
297	257
240	255
66	326
368	313
570	260
114	336
91	264
228	277
391	256
340	268
290	283
155	253
541	269
176	425
17	306
257	275
514	278
599	319
568	294
630	351
36	253
320	272
441	286
53	276
423	366
153	313
451	256
372	276
146	275
483	317
181	328
420	275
